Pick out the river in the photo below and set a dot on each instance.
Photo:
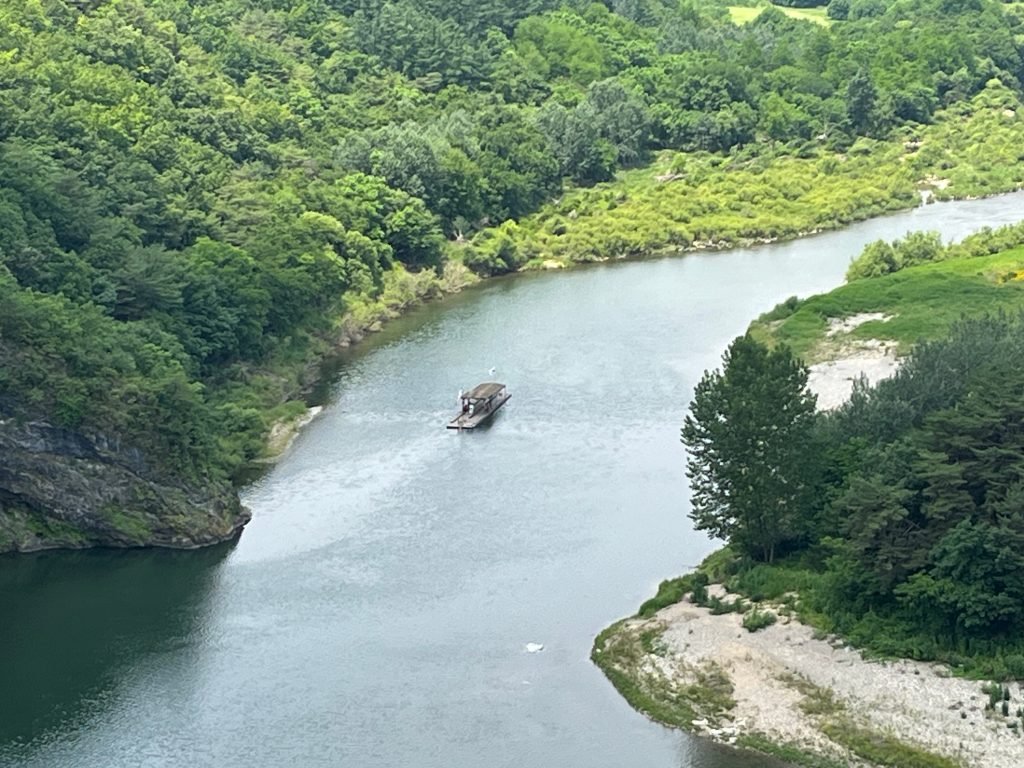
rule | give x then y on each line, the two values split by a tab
375	611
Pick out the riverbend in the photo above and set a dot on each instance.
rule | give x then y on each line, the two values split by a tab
377	609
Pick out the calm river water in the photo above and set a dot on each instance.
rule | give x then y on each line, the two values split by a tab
375	611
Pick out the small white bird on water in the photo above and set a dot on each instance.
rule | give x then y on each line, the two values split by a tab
492	371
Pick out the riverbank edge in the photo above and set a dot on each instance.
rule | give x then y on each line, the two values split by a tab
68	539
351	328
638	662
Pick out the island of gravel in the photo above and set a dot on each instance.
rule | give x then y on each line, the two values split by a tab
756	677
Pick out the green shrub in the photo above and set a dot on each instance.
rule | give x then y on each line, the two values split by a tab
700	588
670	592
995	694
882	749
758	619
719	607
719	565
781	310
772	582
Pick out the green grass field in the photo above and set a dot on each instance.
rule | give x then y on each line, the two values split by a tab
922	301
743	14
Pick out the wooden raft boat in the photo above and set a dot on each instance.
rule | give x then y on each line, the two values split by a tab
479	404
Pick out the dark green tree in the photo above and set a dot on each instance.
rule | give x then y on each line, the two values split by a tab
860	101
839	10
749	442
620	118
575	139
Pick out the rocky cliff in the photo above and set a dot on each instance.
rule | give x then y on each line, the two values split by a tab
61	488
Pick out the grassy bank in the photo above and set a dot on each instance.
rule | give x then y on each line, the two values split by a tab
687	201
622	652
918	303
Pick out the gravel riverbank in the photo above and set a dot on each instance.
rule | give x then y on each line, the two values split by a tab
796	688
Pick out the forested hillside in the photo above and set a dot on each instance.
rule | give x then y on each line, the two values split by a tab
897	517
194	193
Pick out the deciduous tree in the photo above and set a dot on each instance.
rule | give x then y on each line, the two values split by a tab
748	438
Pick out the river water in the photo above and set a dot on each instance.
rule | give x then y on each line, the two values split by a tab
375	611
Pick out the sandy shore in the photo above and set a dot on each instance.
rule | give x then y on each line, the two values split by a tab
774	672
832	380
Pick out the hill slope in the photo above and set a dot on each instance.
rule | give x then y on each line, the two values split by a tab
195	193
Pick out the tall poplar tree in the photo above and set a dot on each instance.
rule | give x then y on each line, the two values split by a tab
749	453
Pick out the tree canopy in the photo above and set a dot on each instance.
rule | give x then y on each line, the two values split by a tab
204	188
915	530
748	436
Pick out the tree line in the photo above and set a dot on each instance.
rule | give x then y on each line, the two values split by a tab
194	191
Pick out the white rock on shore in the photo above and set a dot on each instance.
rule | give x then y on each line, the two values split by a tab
284	432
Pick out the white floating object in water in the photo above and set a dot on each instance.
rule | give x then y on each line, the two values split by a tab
534	647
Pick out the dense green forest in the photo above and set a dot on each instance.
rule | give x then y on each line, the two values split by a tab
194	193
898	517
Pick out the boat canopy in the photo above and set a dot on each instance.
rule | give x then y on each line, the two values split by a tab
483	391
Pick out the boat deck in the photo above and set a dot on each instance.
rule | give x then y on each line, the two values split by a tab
465	421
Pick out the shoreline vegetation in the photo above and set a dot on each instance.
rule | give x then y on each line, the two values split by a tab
200	202
693	201
898	308
753	675
686	203
402	292
727	201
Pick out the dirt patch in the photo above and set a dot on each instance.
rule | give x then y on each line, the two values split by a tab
845	360
837	325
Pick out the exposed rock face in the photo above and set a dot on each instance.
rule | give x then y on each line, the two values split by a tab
60	488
